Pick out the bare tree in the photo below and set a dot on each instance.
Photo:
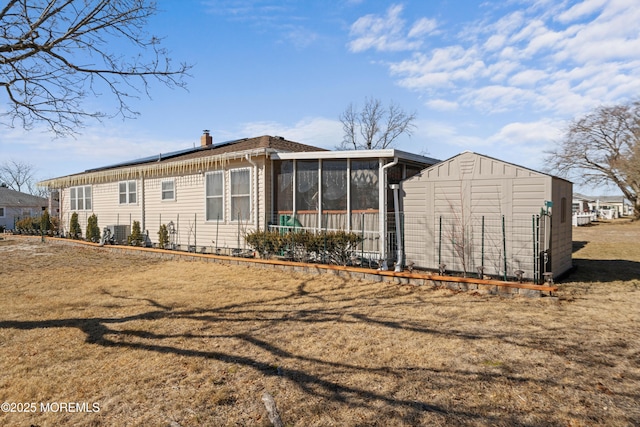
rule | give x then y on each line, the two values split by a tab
603	147
56	53
18	176
374	127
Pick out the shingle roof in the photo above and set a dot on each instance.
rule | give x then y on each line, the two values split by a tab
275	143
12	198
183	160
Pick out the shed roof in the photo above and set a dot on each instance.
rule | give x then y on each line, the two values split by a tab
467	167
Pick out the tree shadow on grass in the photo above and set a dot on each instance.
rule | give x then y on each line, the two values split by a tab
266	313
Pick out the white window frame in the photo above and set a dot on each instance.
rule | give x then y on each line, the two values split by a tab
86	198
217	196
173	190
243	195
2	211
128	193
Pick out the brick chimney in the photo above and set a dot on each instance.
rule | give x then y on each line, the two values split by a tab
206	139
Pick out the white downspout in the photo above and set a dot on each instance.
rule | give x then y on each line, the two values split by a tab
382	208
142	205
396	204
255	180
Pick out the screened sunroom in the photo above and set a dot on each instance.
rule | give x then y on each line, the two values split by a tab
342	190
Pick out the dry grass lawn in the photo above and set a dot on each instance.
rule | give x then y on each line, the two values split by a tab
173	343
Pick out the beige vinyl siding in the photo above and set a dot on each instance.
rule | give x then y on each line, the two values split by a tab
469	186
187	210
105	205
562	237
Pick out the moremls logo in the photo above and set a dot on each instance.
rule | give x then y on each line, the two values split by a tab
84	407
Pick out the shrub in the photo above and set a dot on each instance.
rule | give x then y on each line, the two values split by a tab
334	246
55	224
163	237
93	231
266	243
45	222
75	232
135	238
341	244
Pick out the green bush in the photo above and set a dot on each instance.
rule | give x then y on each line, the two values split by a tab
28	225
135	238
45	222
341	244
75	232
266	243
302	245
163	237
93	231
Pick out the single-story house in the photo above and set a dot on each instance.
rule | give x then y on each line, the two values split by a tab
605	207
15	205
474	211
211	195
581	204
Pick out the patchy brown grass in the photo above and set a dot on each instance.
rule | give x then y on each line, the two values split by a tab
157	342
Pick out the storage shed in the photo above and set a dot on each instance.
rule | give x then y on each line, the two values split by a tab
476	215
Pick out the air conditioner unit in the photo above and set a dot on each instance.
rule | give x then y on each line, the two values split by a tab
120	233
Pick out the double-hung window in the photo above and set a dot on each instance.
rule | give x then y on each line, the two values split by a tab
80	198
1	212
168	190
215	196
240	194
127	191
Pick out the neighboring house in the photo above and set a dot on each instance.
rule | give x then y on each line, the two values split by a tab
15	205
211	195
611	207
475	211
581	204
605	207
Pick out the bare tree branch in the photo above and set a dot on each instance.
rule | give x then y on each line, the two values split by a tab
18	176
374	127
603	147
56	53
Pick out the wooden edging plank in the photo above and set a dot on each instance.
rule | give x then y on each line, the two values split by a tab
385	273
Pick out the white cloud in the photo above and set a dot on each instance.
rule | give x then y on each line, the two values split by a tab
442	105
527	78
97	146
443	67
499	99
559	58
423	26
536	133
318	131
387	33
580	10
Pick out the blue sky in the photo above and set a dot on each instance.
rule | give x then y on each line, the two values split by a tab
501	78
